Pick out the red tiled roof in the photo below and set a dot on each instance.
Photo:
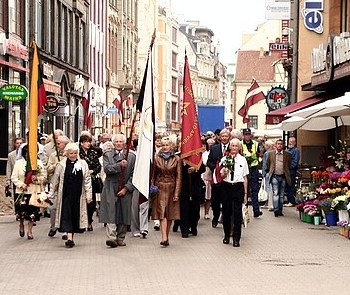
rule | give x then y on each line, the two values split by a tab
250	64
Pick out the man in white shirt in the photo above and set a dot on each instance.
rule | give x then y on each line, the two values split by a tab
234	190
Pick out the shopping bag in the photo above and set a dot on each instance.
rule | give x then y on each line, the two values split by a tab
246	217
39	200
262	194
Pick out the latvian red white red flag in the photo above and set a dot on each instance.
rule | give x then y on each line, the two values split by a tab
118	102
254	95
86	103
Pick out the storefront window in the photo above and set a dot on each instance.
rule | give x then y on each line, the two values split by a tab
15	77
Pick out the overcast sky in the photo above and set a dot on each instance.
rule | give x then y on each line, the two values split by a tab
228	19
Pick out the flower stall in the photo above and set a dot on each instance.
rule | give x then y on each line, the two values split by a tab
329	194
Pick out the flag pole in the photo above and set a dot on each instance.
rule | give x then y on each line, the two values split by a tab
129	140
135	113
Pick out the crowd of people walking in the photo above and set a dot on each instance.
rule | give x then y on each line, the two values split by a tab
95	177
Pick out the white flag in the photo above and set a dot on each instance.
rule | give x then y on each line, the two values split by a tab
145	149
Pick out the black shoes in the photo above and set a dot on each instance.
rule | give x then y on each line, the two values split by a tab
257	214
226	241
69	244
65	237
214	224
164	243
144	234
156	227
236	244
175	227
278	213
184	235
111	243
21	231
52	232
90	228
194	231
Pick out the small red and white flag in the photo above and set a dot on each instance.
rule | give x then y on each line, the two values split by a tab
118	102
86	103
254	95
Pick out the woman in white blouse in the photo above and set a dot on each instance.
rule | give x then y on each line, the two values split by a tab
26	188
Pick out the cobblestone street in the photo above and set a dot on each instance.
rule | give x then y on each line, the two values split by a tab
277	256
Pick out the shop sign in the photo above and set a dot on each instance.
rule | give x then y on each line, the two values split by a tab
278	46
334	53
13	92
54	103
277	98
47	69
79	83
277	9
16	49
313	18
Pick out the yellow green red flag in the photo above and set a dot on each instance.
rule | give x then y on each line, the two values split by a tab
37	100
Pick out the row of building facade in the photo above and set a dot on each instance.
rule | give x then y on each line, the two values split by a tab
100	48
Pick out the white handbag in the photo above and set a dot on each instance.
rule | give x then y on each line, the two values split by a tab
262	195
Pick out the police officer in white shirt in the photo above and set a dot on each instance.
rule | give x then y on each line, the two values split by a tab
234	190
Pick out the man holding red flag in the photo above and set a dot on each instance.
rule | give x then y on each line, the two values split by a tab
191	154
254	95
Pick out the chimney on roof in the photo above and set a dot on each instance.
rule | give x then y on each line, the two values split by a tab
262	53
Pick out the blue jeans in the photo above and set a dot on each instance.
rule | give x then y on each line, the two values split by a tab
278	186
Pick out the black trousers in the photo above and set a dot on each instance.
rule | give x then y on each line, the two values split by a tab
233	196
189	212
216	200
91	207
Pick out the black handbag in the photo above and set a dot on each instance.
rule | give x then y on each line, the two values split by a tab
97	184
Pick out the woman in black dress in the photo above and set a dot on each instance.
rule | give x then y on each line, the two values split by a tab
72	183
91	155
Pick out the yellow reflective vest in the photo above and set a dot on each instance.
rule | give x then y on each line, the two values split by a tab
251	157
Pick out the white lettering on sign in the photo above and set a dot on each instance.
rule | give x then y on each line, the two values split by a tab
318	57
341	49
341	53
313	18
278	46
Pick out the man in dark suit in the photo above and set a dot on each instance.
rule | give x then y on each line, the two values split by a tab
190	199
278	165
215	154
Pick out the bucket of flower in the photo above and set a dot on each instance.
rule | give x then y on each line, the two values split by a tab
310	210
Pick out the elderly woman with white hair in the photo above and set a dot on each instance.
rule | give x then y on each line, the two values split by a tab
71	183
234	190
